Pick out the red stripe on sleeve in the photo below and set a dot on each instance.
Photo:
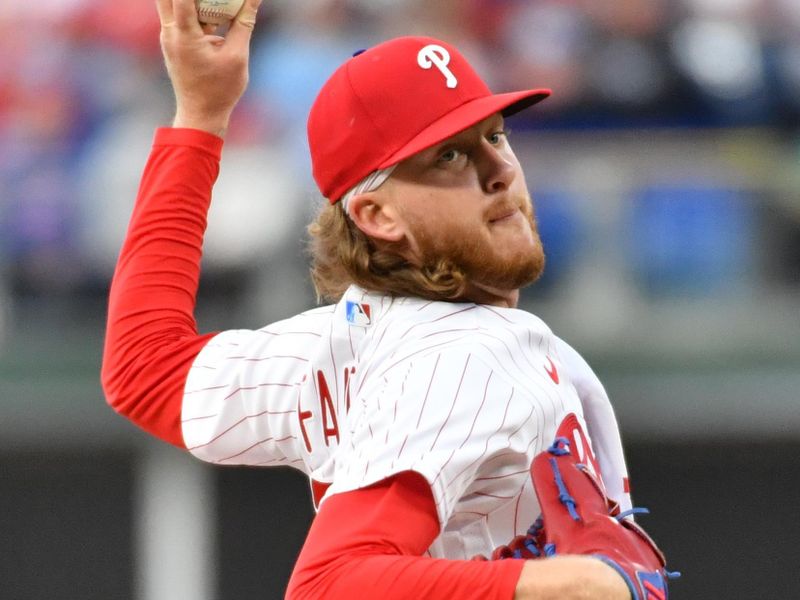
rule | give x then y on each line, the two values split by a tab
151	335
369	543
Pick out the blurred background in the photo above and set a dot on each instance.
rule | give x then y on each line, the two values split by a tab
666	175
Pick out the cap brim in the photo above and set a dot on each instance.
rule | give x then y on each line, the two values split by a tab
464	117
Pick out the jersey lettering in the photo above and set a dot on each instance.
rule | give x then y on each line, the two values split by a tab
571	429
330	425
348	373
326	413
302	415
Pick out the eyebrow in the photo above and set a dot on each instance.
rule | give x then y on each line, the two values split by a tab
453	139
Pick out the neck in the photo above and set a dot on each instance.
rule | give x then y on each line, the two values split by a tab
492	296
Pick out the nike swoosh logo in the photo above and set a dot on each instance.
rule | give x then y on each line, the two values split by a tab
552	371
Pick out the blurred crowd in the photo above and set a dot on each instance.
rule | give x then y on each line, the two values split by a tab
82	87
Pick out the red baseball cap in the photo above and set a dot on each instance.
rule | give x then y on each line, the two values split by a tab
392	101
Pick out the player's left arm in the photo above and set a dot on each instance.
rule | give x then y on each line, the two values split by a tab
369	543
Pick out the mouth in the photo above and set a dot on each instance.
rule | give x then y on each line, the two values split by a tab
504	216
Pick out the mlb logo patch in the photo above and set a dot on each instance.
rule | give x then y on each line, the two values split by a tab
358	313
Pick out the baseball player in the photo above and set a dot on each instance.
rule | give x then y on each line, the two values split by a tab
416	402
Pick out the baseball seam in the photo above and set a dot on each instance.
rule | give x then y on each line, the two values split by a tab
205	12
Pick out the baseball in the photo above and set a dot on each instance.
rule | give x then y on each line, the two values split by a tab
217	12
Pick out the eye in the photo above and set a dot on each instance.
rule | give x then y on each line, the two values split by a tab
450	156
498	136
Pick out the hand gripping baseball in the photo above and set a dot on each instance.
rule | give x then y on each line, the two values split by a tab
209	73
578	518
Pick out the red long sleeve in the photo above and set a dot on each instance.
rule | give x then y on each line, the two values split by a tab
370	541
151	335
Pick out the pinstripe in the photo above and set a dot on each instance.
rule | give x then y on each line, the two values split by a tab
427	392
486	444
452	403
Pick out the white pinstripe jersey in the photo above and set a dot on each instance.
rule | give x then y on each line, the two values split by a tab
464	394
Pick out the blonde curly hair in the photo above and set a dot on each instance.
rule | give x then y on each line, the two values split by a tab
341	255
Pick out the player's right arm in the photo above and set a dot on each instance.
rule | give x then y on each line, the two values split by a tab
151	337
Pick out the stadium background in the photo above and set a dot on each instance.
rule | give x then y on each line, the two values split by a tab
666	172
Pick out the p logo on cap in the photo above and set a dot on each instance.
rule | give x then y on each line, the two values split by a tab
392	101
433	55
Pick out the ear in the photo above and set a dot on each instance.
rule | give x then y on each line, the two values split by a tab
376	217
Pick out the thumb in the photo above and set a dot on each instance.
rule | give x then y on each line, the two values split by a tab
242	27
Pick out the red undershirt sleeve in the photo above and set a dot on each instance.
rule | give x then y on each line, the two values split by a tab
371	541
151	335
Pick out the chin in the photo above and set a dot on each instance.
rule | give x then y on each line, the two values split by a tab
531	267
512	272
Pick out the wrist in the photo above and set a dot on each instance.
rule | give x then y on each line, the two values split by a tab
570	578
214	124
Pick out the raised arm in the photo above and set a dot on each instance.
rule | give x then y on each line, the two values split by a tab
151	336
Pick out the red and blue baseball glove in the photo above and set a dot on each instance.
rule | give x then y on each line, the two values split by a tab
578	518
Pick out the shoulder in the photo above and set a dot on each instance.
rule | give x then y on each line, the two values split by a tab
311	323
412	320
510	342
297	335
312	317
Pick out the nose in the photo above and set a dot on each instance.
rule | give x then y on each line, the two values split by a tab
497	169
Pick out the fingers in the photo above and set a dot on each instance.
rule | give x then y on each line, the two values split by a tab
181	13
242	27
185	14
165	14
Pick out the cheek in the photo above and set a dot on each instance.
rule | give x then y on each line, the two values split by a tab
426	231
448	234
520	186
